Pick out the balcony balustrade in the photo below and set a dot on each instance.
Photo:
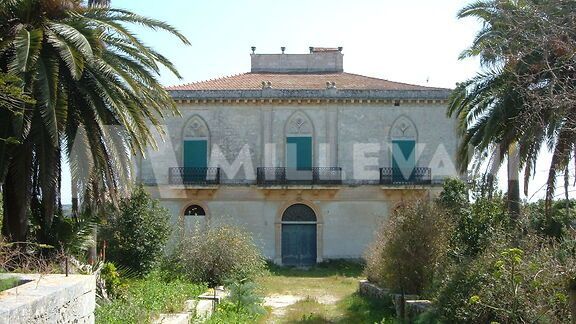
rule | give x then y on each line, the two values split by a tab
398	176
279	176
194	176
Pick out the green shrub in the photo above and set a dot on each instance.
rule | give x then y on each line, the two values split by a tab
112	281
454	196
474	221
147	297
243	305
529	283
137	234
474	229
243	295
559	221
217	255
227	313
405	254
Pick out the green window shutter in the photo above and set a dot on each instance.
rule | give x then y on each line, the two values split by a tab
403	159
195	153
299	152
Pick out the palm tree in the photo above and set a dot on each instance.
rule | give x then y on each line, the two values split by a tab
98	3
488	105
516	94
85	70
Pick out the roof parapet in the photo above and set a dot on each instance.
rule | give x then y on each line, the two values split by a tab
319	60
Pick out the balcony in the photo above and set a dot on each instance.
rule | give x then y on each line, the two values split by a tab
274	176
395	176
200	176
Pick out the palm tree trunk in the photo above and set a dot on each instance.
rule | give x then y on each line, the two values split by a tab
513	183
572	299
17	194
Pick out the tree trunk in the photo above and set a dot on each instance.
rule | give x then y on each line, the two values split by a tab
16	191
513	184
572	299
92	251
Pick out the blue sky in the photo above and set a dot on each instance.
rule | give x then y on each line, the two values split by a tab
410	41
413	41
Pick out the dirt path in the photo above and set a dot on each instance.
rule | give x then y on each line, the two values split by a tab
324	294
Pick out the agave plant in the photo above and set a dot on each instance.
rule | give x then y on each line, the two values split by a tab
86	71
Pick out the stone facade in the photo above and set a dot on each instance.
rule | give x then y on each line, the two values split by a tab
351	130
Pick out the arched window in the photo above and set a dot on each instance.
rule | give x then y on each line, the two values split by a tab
194	210
195	150
299	134
403	128
299	213
403	138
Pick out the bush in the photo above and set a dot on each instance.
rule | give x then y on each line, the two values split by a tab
114	285
407	248
217	255
474	222
558	223
227	312
529	283
145	298
137	234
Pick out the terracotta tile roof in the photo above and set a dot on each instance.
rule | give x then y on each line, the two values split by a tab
308	81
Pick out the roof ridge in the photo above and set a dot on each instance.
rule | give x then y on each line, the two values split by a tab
172	87
310	81
404	83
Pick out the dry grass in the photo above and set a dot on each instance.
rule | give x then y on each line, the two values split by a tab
327	295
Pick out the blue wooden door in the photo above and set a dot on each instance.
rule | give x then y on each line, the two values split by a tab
299	152
403	160
195	160
298	244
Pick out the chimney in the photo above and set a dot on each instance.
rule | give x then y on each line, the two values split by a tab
319	60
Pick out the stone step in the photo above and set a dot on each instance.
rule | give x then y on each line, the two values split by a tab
204	308
179	318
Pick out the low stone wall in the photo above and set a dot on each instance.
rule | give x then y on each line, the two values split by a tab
52	298
371	290
407	306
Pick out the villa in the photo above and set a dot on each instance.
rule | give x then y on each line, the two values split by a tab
307	157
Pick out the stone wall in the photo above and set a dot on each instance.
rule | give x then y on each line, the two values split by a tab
347	216
51	298
346	136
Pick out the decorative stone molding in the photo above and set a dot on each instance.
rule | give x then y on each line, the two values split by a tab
403	127
305	101
196	127
299	124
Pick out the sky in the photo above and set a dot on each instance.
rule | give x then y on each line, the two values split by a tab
412	41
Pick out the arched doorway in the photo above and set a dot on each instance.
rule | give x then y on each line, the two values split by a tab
194	210
299	236
193	220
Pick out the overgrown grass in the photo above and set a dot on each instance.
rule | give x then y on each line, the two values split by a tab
228	313
328	293
146	298
352	309
359	309
344	268
7	283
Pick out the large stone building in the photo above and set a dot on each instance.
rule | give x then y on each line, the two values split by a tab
307	157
